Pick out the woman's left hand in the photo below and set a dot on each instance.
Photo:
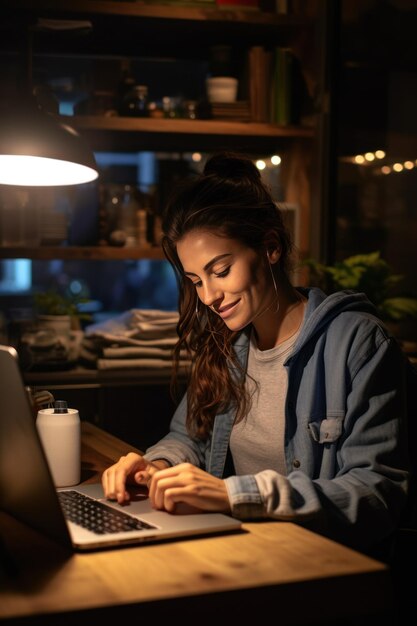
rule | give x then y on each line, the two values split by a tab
188	484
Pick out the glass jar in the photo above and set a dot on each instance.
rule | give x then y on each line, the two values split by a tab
128	209
135	103
171	107
190	109
118	218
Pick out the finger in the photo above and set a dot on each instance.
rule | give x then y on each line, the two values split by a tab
155	486
121	473
166	474
143	477
184	495
114	482
176	495
159	486
108	483
104	482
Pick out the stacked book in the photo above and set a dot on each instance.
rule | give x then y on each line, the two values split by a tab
276	87
238	111
260	83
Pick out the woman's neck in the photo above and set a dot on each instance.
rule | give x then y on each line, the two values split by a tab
275	327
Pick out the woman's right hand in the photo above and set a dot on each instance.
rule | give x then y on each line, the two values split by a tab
131	469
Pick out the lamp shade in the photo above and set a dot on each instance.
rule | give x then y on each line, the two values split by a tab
37	149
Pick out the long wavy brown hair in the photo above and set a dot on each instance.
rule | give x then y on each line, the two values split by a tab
230	199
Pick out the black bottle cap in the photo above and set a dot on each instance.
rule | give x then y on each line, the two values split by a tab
61	406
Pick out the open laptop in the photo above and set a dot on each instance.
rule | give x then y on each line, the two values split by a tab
28	493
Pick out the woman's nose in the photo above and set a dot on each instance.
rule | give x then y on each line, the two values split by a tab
209	295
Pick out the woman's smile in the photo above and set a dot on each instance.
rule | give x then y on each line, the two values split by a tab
225	310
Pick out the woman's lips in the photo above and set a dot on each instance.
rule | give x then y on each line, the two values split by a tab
228	309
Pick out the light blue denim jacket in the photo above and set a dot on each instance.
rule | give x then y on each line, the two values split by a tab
345	446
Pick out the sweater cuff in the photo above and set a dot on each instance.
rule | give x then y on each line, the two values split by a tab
244	497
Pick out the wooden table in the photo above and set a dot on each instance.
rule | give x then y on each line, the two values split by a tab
269	567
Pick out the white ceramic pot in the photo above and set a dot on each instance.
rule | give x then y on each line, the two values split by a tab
61	324
221	89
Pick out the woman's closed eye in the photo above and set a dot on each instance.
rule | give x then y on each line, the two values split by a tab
223	273
220	274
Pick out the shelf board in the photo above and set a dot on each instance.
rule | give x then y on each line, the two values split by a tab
88	253
127	27
135	134
82	377
156	11
184	126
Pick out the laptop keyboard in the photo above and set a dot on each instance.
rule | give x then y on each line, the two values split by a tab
96	516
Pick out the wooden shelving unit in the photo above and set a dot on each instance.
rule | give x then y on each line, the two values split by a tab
142	29
86	253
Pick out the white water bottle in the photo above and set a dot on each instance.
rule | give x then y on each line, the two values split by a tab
60	433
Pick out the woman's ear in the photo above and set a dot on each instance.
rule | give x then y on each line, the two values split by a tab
273	249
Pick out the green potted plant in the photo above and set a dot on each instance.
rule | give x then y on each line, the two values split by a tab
372	275
57	311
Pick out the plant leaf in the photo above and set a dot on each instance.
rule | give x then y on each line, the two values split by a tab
399	308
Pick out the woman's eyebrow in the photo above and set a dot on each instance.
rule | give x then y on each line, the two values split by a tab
208	265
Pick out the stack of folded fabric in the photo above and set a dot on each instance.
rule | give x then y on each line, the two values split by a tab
139	338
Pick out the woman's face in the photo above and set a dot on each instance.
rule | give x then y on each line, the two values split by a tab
232	279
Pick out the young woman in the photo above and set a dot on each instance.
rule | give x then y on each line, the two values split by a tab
295	405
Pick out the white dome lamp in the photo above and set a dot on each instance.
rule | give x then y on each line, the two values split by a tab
36	148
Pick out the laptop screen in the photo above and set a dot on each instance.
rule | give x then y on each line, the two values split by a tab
27	490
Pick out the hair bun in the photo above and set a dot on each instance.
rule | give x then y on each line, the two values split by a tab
231	166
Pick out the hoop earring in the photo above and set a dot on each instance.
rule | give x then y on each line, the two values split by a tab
200	318
274	283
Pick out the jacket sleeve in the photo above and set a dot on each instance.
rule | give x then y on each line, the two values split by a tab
177	446
362	503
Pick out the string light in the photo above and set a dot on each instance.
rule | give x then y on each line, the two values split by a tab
368	158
